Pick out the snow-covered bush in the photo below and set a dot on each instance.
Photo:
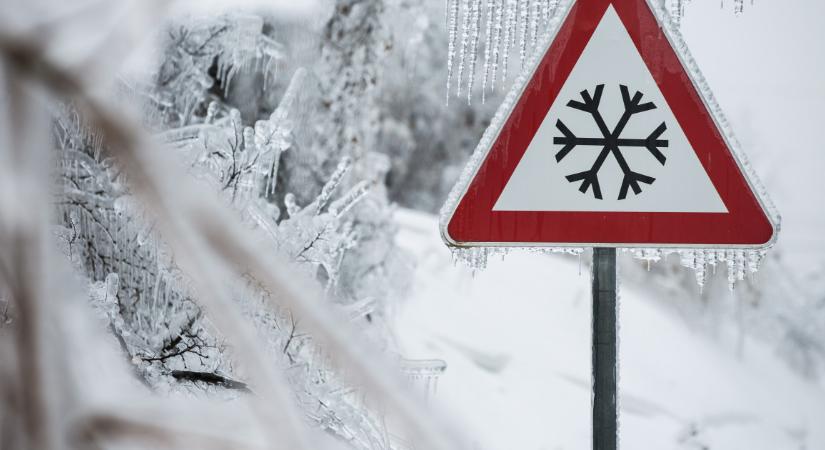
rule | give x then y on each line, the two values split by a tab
319	197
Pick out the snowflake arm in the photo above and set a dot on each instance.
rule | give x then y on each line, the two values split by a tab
632	105
652	143
591	105
631	179
590	178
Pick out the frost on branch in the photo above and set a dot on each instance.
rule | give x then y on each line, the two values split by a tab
611	141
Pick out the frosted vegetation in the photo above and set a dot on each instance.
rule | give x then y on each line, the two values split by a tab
287	144
224	206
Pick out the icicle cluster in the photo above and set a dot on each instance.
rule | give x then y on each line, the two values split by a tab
494	30
739	6
676	8
739	263
424	372
477	258
232	43
246	48
505	27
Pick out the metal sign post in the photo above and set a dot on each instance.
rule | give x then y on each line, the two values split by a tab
604	348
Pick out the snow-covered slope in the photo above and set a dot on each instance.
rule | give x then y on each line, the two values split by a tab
516	338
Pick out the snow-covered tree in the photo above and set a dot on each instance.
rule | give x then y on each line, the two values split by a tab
210	99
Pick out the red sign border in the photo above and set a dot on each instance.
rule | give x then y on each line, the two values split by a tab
567	220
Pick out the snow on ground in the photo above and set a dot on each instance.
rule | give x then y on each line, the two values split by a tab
516	338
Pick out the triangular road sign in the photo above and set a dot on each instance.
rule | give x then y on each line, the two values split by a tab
610	141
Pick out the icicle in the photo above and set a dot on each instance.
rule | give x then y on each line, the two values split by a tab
112	287
248	139
345	203
738	6
544	11
534	26
710	259
292	207
580	264
452	31
497	39
509	36
488	42
740	265
754	260
465	35
552	5
74	221
651	255
426	370
211	112
721	256
687	258
730	260
156	289
475	258
333	182
475	24
272	179
699	267
524	24
677	9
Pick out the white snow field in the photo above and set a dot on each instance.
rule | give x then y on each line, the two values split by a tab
516	338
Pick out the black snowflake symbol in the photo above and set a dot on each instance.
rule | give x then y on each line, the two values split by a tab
611	142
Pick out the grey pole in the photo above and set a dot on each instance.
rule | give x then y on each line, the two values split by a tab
604	349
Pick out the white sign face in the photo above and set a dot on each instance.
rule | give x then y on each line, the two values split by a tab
610	142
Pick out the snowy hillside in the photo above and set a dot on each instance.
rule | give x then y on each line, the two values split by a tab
516	337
